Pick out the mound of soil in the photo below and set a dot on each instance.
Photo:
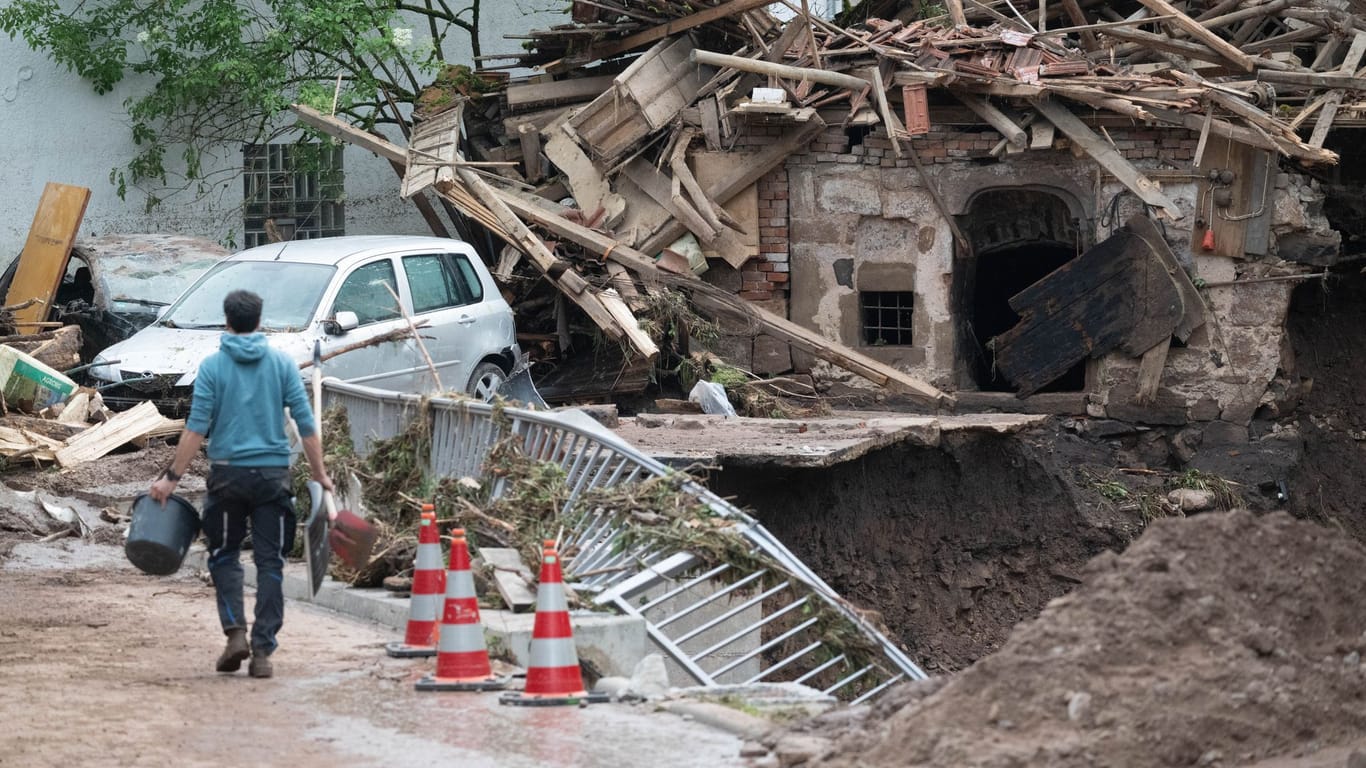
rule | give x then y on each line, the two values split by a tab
1224	639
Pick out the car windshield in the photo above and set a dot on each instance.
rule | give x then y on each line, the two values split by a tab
137	283
289	291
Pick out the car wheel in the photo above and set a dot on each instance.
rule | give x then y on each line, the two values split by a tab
485	380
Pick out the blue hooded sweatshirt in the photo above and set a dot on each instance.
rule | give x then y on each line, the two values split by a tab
239	399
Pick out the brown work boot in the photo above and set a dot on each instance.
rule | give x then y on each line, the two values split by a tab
236	651
260	666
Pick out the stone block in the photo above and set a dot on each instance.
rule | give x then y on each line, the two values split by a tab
738	350
880	239
909	203
1166	408
1262	305
771	356
1312	248
821	227
925	238
856	192
884	276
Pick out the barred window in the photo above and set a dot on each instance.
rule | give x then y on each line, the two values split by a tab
294	188
886	317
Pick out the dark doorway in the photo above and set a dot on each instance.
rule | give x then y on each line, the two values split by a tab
1001	274
1018	236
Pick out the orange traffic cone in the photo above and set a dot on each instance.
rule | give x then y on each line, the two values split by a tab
553	676
429	582
462	659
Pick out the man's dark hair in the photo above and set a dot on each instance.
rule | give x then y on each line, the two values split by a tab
243	310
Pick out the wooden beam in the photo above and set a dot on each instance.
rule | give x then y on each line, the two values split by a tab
1078	19
675	26
1109	159
743	64
1247	136
960	19
1347	81
1193	28
524	97
995	118
745	173
1334	99
1164	43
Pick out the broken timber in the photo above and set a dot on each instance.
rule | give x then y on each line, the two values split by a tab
704	295
487	203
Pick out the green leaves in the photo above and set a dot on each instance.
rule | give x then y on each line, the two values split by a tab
225	71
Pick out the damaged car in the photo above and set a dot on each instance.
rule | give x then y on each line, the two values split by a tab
352	295
114	285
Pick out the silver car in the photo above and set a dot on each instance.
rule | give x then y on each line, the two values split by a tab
339	291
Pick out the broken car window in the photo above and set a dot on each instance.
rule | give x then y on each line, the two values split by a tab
432	283
290	291
366	292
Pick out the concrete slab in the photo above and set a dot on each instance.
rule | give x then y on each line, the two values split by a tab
683	440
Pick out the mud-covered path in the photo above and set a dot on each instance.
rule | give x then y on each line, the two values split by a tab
101	665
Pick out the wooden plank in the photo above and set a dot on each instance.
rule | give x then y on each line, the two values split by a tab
1347	81
76	410
1108	298
591	191
521	97
1150	372
530	139
42	263
1109	159
743	208
674	26
1041	135
1226	129
1198	32
654	183
1334	98
100	440
1078	19
742	175
511	578
710	115
995	118
617	306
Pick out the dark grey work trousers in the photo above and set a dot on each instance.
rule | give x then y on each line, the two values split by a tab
259	496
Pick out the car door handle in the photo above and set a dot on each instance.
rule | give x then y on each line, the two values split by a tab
465	320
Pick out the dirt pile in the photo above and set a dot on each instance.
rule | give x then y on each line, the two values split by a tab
1224	639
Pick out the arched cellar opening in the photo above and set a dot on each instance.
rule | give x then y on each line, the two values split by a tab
1018	237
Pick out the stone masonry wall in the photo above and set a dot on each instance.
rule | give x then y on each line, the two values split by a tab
860	218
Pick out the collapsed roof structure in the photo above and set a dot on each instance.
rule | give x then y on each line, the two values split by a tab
642	148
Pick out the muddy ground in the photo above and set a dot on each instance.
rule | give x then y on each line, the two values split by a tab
1224	639
102	665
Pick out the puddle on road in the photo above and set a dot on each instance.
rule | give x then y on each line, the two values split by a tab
380	719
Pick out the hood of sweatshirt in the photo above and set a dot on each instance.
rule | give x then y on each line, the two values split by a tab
244	349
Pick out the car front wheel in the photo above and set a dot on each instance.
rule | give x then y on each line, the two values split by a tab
485	380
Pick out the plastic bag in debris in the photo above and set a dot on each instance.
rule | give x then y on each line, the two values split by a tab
713	398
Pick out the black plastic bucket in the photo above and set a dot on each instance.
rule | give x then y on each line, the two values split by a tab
160	535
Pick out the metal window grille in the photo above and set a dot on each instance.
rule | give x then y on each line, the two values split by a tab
886	317
297	186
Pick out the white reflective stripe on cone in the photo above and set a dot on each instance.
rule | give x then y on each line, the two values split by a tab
424	607
553	652
428	557
550	597
459	584
461	638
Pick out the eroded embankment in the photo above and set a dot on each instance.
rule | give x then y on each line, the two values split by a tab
952	545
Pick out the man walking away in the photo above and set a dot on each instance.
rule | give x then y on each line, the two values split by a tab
239	399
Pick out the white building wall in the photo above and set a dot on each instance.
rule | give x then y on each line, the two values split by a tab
53	127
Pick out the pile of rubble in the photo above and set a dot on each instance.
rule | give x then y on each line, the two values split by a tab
47	418
639	153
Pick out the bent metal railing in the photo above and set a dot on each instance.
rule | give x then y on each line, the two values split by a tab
768	619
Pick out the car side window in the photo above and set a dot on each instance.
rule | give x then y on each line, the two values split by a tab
473	287
365	293
432	283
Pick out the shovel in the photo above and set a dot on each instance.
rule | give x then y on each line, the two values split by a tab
351	537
